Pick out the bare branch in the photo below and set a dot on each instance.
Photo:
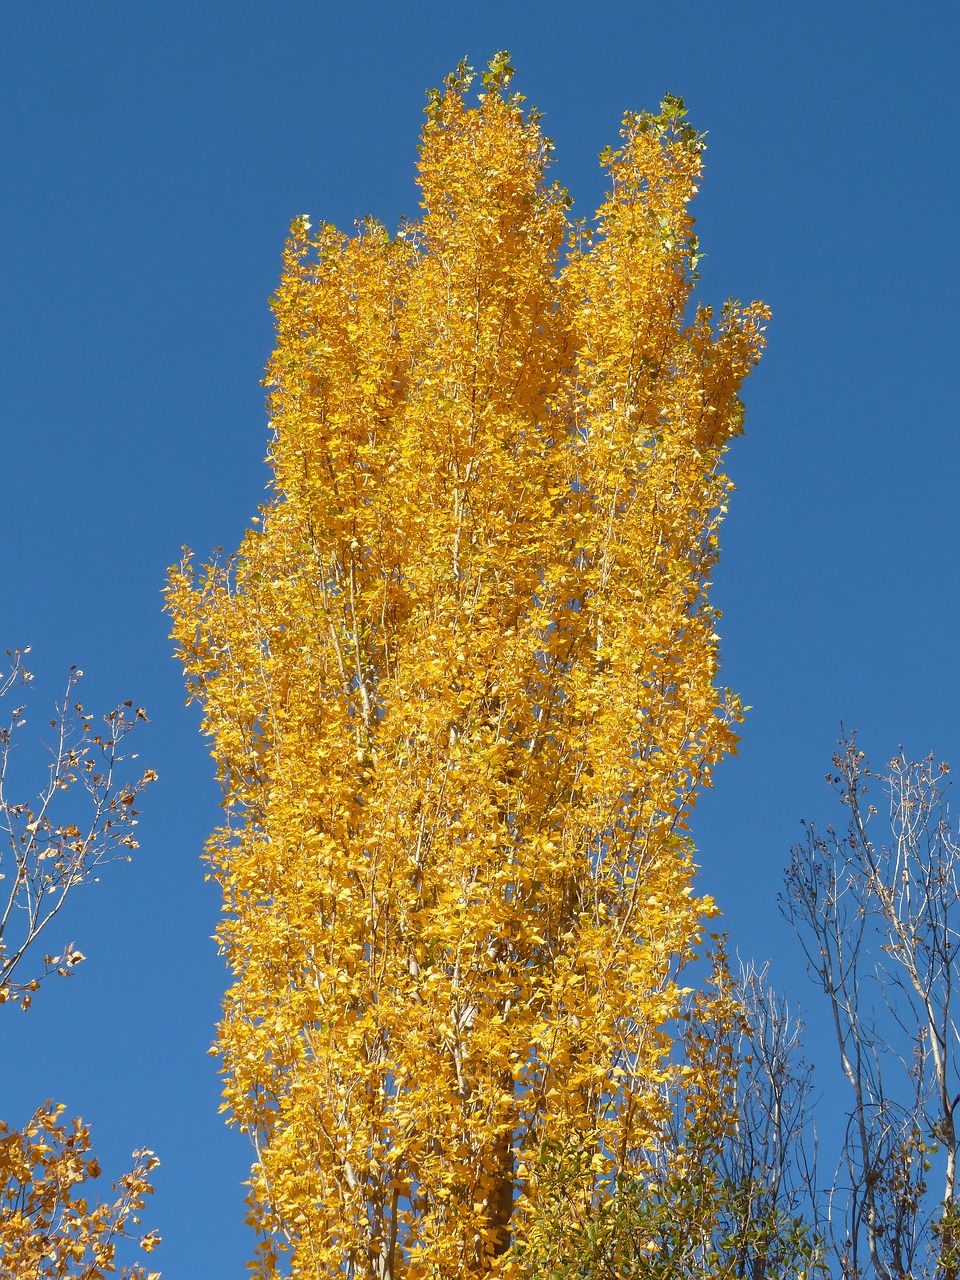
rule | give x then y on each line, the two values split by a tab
879	927
45	854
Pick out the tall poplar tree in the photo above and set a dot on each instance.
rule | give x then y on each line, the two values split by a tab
461	687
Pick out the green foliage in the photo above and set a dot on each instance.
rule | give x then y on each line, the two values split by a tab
686	1222
689	1206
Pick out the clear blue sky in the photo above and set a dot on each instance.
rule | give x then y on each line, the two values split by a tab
153	157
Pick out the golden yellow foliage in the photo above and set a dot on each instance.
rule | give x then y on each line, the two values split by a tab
49	1229
461	689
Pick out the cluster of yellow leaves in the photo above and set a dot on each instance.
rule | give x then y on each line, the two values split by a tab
461	690
49	1230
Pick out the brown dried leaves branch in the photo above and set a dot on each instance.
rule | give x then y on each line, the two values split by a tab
49	1229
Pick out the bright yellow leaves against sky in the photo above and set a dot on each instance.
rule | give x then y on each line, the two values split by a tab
461	685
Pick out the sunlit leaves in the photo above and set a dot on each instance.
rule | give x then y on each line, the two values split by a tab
461	690
49	1229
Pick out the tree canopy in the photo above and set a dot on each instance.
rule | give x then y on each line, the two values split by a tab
461	684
